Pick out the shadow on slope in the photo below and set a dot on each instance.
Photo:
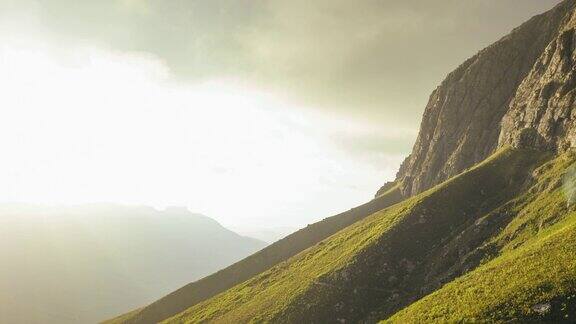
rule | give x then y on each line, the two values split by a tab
529	274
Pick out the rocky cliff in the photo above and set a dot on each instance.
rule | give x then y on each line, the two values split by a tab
461	123
541	114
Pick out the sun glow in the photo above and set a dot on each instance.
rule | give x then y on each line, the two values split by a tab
108	126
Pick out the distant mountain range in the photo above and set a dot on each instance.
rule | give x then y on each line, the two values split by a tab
85	263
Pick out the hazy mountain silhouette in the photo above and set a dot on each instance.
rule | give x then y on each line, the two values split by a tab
85	263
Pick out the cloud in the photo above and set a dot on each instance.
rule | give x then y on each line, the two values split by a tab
368	59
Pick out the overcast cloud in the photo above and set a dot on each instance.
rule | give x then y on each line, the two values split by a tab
368	58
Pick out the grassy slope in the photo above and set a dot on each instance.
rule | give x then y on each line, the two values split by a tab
384	262
534	262
508	287
255	264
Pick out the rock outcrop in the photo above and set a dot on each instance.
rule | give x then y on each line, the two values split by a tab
461	123
541	114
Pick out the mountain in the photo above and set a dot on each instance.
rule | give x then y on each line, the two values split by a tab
84	263
479	225
461	123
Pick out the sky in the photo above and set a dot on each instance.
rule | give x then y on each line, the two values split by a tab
262	113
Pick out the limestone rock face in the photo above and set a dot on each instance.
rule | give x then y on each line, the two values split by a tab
461	123
541	114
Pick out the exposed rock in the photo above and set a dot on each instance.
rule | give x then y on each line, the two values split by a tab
542	309
541	115
461	123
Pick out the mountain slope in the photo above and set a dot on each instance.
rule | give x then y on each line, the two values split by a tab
382	263
255	264
536	263
84	263
511	287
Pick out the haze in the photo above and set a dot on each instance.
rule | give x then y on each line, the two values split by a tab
277	112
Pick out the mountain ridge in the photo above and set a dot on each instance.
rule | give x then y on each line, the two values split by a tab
461	122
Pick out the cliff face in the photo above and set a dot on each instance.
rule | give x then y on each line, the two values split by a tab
541	114
461	123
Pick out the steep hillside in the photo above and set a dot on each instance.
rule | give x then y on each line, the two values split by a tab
461	123
533	276
383	263
255	264
521	286
84	263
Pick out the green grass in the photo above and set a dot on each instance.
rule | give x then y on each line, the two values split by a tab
261	298
506	289
384	262
534	262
